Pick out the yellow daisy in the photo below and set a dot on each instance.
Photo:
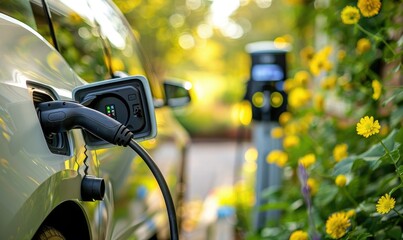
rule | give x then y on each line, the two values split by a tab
363	45
299	97
319	102
329	82
377	87
385	204
320	62
341	54
351	213
302	78
307	160
340	152
291	141
277	132
341	180
369	8
299	235
337	225
307	54
284	118
277	157
367	126
313	186
350	15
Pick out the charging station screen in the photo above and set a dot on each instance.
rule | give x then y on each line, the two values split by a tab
110	110
267	72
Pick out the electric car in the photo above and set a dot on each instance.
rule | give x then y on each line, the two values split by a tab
49	49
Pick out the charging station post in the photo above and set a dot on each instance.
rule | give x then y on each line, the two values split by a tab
265	91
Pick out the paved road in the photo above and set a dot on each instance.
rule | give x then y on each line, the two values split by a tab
211	167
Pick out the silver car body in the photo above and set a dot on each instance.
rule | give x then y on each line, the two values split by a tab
36	183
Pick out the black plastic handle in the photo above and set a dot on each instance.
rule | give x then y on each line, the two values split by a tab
60	116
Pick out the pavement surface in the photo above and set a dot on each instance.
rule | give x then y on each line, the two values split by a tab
211	169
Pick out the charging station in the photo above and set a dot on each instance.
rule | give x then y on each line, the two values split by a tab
104	110
265	91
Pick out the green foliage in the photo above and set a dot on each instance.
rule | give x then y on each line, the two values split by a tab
342	71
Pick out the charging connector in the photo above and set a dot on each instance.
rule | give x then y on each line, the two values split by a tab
61	116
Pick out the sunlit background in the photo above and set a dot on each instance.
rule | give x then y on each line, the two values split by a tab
345	64
203	42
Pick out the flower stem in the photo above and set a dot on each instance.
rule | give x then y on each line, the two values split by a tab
376	38
395	188
384	146
395	163
400	215
350	198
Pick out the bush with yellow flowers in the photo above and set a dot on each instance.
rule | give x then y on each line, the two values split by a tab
342	137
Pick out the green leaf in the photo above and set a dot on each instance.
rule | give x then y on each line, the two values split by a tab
396	116
400	170
344	167
361	164
395	233
389	141
359	233
275	206
326	194
399	136
271	192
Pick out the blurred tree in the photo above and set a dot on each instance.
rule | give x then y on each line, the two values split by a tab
204	42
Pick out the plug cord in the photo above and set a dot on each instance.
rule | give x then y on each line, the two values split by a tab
59	116
173	227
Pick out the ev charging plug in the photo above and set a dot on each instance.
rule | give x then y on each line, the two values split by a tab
60	116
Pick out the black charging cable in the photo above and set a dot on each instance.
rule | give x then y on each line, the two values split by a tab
61	116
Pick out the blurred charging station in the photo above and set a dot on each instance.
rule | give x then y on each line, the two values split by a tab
265	91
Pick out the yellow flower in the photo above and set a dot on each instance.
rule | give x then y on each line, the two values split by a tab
307	54
350	15
385	204
367	126
299	235
298	97
277	157
284	118
350	213
363	45
341	54
377	87
292	128
320	63
277	132
313	186
337	225
341	180
290	141
302	78
319	102
307	160
384	130
369	8
290	84
329	82
340	152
